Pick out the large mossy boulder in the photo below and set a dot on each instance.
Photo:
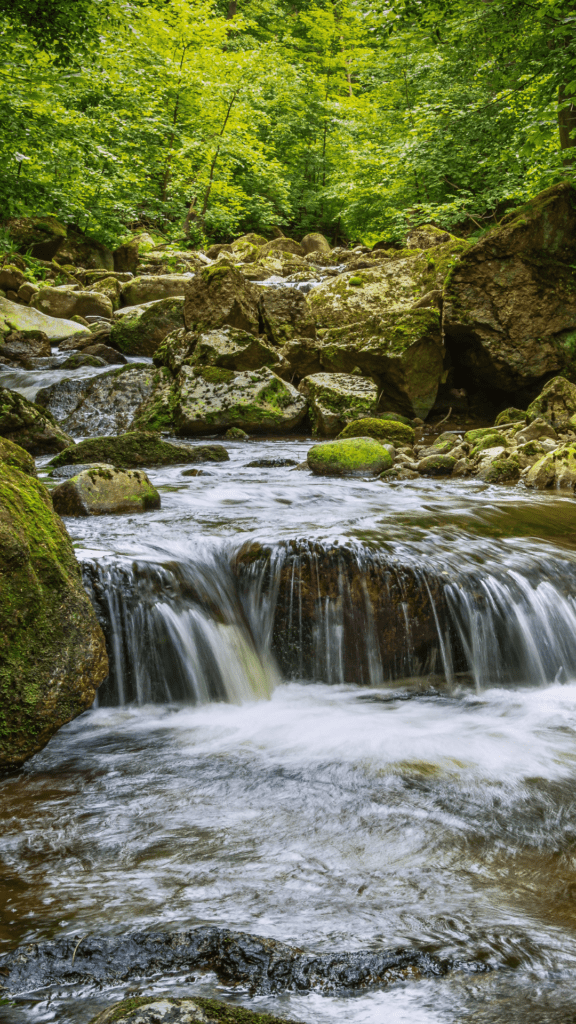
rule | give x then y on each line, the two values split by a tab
556	469
99	405
141	329
64	303
337	399
25	320
104	490
208	399
285	315
509	311
556	403
315	242
137	448
381	429
29	425
153	287
219	296
234	350
354	456
403	350
52	650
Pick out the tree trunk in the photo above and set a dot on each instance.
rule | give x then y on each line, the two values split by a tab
566	124
232	8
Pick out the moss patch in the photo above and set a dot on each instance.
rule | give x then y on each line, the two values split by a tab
355	456
137	448
383	430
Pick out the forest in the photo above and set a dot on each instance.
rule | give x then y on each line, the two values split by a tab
208	119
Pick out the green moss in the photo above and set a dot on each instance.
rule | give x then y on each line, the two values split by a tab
383	430
136	448
215	274
473	436
502	471
354	456
356	282
214	374
494	440
437	465
510	415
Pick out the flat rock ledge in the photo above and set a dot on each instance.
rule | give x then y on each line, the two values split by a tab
261	966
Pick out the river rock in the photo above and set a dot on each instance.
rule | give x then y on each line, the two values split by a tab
219	296
138	448
556	469
97	334
510	415
78	359
52	650
25	319
29	425
105	490
556	403
234	350
152	287
125	257
427	236
109	286
436	465
510	304
302	357
104	404
105	353
42	236
203	400
537	429
170	1010
337	399
498	466
354	456
315	242
11	278
280	245
66	302
403	350
80	250
285	315
22	345
140	331
381	429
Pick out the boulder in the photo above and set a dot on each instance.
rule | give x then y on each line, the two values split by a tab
436	465
25	344
135	449
556	403
109	286
103	404
207	399
234	350
403	350
315	242
236	434
11	278
81	251
126	257
427	236
105	353
354	456
171	1010
219	296
52	650
337	399
103	490
97	334
509	310
78	359
302	357
66	302
27	291
536	430
151	288
556	469
25	319
285	314
278	245
383	430
510	415
140	331
42	236
175	348
29	425
498	466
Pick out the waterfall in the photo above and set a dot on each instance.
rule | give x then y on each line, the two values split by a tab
226	624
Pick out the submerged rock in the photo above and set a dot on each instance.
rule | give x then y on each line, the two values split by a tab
141	330
104	490
138	448
382	429
29	425
52	651
355	456
25	320
337	399
105	404
168	1010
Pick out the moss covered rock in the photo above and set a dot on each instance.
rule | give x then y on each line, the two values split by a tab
151	288
67	302
29	425
207	399
387	431
501	467
509	310
436	465
42	236
138	448
556	469
219	296
285	315
25	319
169	1010
556	403
140	330
234	350
81	359
104	404
52	651
104	490
337	399
353	456
510	415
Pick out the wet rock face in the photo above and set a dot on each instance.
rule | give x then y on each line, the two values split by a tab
105	404
138	449
219	296
167	1010
104	490
30	426
510	304
52	651
261	965
139	331
337	399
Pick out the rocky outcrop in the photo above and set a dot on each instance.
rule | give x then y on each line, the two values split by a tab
135	449
104	490
30	426
25	319
105	404
337	399
219	296
207	399
510	303
354	456
139	330
52	651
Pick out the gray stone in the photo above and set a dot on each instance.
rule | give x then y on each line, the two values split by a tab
101	405
337	399
67	302
14	317
151	288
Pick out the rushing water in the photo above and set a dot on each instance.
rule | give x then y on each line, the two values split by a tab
340	713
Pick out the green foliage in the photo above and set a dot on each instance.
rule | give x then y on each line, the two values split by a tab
204	119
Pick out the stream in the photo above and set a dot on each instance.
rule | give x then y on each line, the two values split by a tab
341	714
